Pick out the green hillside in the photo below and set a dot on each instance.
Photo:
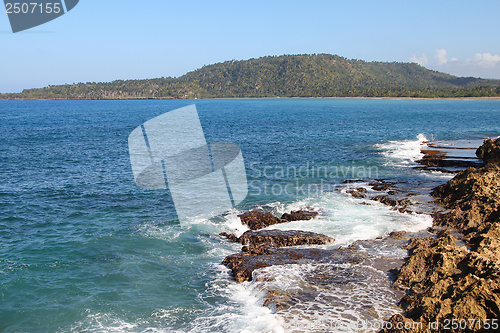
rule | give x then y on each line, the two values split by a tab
321	75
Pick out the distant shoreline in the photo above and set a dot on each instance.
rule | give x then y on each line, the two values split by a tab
286	76
250	98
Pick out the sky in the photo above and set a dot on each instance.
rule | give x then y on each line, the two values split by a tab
105	40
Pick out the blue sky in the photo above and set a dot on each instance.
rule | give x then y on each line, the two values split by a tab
104	40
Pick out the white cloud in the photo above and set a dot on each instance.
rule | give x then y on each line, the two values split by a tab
441	57
422	60
484	65
485	60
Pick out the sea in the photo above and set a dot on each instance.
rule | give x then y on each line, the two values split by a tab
84	249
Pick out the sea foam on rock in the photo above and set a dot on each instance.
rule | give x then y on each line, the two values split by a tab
262	247
242	265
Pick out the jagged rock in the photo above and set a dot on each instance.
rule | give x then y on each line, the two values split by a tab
278	300
397	234
360	192
229	236
400	324
473	196
487	241
243	264
447	281
299	215
401	205
430	259
386	200
280	238
489	151
381	185
258	219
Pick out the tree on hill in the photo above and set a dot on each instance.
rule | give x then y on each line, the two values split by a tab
317	75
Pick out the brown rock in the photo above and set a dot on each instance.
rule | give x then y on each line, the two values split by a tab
489	151
258	219
400	324
401	205
448	281
386	200
397	234
430	260
243	264
262	249
229	236
299	215
473	196
280	238
360	192
381	185
278	300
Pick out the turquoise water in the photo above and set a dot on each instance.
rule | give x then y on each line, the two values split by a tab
82	248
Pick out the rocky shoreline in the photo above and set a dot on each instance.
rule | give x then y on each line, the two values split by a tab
452	271
333	267
454	277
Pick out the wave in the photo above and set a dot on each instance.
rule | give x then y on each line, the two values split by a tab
360	293
330	297
341	217
403	153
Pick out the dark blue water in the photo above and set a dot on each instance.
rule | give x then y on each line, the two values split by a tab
82	248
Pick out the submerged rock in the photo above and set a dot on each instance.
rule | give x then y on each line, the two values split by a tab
229	236
262	249
450	157
242	265
386	200
381	185
398	234
401	205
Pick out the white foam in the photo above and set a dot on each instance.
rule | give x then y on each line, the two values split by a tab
239	306
336	298
233	224
438	175
241	311
403	153
345	219
157	231
107	322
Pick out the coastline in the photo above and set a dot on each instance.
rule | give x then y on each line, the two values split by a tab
177	270
454	276
250	98
450	273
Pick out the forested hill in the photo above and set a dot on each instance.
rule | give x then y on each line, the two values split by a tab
321	75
